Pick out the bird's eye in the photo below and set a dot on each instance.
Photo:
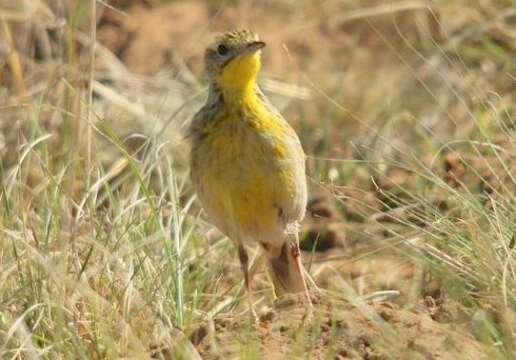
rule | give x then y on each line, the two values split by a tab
222	49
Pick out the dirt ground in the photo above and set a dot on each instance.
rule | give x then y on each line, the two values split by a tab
341	331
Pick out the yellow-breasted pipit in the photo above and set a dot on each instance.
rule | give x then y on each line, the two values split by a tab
247	163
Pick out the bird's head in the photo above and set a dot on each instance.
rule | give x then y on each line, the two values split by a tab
233	60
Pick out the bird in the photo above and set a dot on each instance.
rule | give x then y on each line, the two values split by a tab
247	164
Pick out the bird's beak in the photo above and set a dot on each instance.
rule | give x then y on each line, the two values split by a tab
254	46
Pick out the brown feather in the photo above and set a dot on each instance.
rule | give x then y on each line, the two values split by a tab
284	272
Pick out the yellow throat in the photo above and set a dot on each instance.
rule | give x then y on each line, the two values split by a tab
238	77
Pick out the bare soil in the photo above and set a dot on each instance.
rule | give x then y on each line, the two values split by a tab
378	330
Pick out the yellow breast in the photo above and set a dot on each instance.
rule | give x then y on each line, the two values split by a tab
245	172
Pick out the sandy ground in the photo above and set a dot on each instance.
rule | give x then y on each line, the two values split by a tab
374	330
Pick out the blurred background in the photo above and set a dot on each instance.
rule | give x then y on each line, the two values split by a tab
406	113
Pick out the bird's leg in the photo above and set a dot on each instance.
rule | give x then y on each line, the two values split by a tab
296	255
244	263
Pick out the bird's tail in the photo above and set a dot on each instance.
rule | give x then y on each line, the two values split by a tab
286	270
